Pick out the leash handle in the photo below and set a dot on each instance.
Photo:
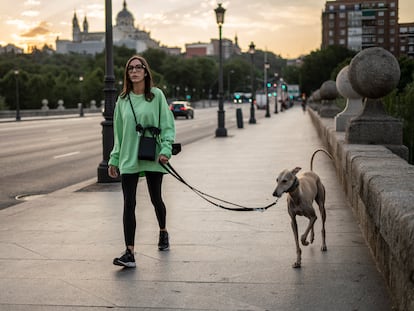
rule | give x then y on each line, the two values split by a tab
168	167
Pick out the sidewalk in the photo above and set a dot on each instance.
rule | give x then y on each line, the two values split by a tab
56	251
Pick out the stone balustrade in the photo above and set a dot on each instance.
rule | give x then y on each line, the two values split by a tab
371	164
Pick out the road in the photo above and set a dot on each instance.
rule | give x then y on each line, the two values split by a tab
39	157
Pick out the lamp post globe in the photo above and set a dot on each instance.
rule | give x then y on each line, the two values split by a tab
252	119
221	131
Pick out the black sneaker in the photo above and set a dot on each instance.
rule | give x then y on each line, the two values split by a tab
163	243
126	260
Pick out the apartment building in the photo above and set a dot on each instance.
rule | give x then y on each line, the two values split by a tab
406	39
360	24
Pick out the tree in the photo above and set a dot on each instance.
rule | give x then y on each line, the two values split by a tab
318	66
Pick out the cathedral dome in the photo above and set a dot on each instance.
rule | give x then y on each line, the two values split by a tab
124	17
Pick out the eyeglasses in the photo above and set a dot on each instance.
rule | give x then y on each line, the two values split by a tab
136	67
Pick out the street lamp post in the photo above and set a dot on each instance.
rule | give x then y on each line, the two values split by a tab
228	82
16	75
221	131
252	119
277	89
110	98
80	96
266	67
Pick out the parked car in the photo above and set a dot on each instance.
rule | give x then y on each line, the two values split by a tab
182	109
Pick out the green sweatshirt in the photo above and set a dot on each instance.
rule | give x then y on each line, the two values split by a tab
124	154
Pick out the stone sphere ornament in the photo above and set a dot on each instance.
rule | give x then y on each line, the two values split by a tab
328	90
344	86
353	100
374	72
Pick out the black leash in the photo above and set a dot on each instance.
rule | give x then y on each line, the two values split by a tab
205	196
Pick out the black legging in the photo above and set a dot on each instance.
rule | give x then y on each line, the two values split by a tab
129	189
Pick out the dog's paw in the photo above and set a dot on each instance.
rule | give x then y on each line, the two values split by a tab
304	242
296	265
324	248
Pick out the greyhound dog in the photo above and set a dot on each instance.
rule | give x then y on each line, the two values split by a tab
302	191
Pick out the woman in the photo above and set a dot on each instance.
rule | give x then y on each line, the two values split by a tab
151	109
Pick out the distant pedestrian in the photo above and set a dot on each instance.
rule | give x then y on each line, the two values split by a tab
151	110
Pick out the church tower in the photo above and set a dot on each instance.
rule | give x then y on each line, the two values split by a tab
76	32
85	26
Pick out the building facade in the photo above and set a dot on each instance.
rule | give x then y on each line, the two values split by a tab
406	39
213	48
124	34
360	24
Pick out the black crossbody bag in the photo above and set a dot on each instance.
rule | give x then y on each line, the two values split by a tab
148	144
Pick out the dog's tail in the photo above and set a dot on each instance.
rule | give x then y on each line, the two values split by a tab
316	151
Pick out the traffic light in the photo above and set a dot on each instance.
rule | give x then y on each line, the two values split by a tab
284	87
269	84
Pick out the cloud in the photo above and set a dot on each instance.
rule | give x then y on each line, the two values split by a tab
31	2
30	13
41	29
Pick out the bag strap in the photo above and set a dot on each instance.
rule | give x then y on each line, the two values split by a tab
144	128
133	111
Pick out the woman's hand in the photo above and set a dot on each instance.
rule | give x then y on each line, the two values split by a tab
163	159
112	171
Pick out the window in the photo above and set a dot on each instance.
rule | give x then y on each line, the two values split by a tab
381	13
380	40
342	15
392	21
392	13
331	24
343	32
342	41
380	22
381	31
331	8
342	7
331	16
331	33
392	4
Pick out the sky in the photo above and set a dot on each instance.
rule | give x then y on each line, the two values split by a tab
289	28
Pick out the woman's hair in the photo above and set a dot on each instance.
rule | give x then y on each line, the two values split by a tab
147	78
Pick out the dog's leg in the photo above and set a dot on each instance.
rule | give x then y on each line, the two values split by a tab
312	235
304	236
296	235
320	200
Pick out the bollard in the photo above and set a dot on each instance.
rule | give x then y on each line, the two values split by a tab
239	117
80	106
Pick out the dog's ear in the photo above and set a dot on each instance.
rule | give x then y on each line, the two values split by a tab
296	170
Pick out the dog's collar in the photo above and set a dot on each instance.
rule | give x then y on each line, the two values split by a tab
294	186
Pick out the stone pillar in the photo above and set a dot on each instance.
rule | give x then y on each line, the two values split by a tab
328	93
315	100
60	105
353	100
93	105
373	73
45	104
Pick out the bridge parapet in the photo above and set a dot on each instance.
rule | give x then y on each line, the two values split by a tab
380	187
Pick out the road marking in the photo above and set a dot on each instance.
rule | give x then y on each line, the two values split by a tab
66	155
